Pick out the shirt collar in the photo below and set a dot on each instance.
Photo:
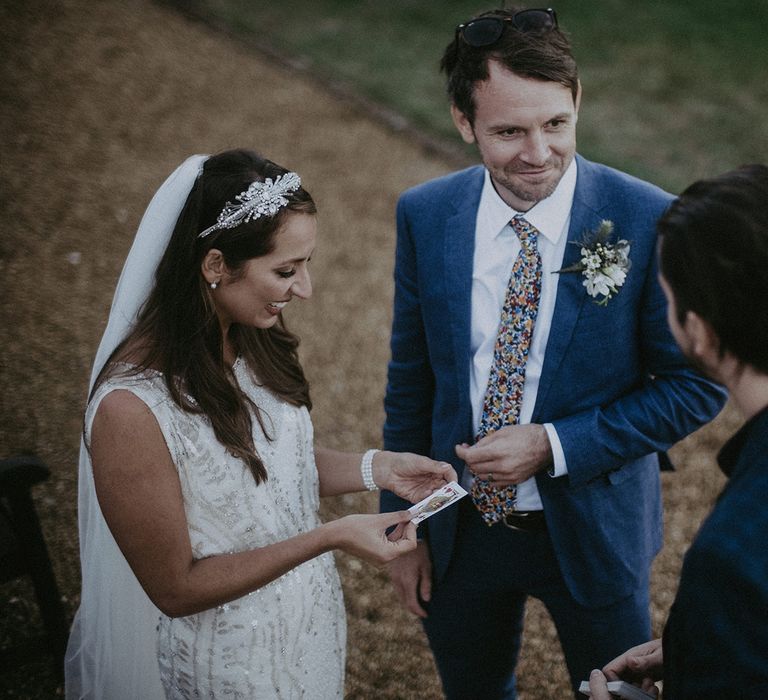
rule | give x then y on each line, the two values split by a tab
549	215
732	450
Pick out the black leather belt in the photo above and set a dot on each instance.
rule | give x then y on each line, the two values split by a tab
525	520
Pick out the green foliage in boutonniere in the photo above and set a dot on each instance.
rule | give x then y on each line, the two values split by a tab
604	265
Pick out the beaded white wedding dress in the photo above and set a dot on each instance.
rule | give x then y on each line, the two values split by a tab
286	640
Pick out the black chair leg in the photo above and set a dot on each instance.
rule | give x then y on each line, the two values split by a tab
17	476
41	573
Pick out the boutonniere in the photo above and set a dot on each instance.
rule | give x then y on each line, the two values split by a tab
604	265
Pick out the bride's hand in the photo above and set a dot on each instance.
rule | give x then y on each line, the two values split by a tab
410	476
365	536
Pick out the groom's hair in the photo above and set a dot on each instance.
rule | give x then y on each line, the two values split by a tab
714	257
545	56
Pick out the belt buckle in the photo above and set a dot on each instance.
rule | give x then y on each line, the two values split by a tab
521	518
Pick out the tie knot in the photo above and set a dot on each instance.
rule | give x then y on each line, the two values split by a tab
525	231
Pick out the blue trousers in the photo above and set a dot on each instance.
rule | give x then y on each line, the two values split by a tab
475	617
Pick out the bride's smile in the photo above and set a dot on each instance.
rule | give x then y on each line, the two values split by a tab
257	293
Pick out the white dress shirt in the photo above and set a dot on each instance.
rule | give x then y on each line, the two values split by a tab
496	248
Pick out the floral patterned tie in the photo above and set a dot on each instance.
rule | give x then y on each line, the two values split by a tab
504	395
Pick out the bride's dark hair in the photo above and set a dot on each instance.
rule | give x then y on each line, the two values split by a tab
178	332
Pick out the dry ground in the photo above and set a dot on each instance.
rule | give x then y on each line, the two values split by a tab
98	102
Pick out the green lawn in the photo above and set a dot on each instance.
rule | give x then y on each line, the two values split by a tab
673	89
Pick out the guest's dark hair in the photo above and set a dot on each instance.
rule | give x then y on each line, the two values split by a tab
538	55
178	332
714	256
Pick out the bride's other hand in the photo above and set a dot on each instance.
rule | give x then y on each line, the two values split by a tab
409	475
365	536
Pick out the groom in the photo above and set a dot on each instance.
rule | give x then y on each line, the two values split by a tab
543	370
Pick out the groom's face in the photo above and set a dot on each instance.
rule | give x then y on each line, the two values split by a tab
525	130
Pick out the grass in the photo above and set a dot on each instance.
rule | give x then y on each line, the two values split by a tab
673	91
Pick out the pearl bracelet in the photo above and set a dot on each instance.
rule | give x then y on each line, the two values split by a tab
366	470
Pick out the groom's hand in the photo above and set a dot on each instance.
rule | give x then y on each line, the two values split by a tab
511	454
411	575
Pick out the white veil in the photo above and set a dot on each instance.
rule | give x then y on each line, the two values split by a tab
111	653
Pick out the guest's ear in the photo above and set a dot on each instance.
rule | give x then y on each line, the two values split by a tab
462	124
213	266
704	342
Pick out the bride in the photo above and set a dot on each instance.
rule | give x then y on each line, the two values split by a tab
206	569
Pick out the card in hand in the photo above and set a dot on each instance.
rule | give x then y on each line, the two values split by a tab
620	689
442	498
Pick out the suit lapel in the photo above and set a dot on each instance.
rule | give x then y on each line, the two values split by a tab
458	255
571	294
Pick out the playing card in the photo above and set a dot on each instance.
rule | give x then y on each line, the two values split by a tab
442	498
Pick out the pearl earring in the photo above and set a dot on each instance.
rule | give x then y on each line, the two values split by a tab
214	285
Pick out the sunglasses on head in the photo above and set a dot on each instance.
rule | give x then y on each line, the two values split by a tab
484	31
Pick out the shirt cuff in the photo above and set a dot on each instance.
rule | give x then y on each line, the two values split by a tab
559	467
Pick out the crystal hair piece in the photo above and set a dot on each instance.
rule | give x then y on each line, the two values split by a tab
260	199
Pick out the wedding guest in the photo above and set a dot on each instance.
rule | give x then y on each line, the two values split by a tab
530	349
206	569
714	256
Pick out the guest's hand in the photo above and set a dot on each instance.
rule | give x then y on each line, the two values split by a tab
365	536
511	454
411	576
641	665
598	687
410	476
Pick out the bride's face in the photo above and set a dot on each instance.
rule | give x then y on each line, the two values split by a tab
257	294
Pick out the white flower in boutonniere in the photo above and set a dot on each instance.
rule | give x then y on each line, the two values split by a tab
604	265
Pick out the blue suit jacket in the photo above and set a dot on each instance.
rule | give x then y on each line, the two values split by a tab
613	382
